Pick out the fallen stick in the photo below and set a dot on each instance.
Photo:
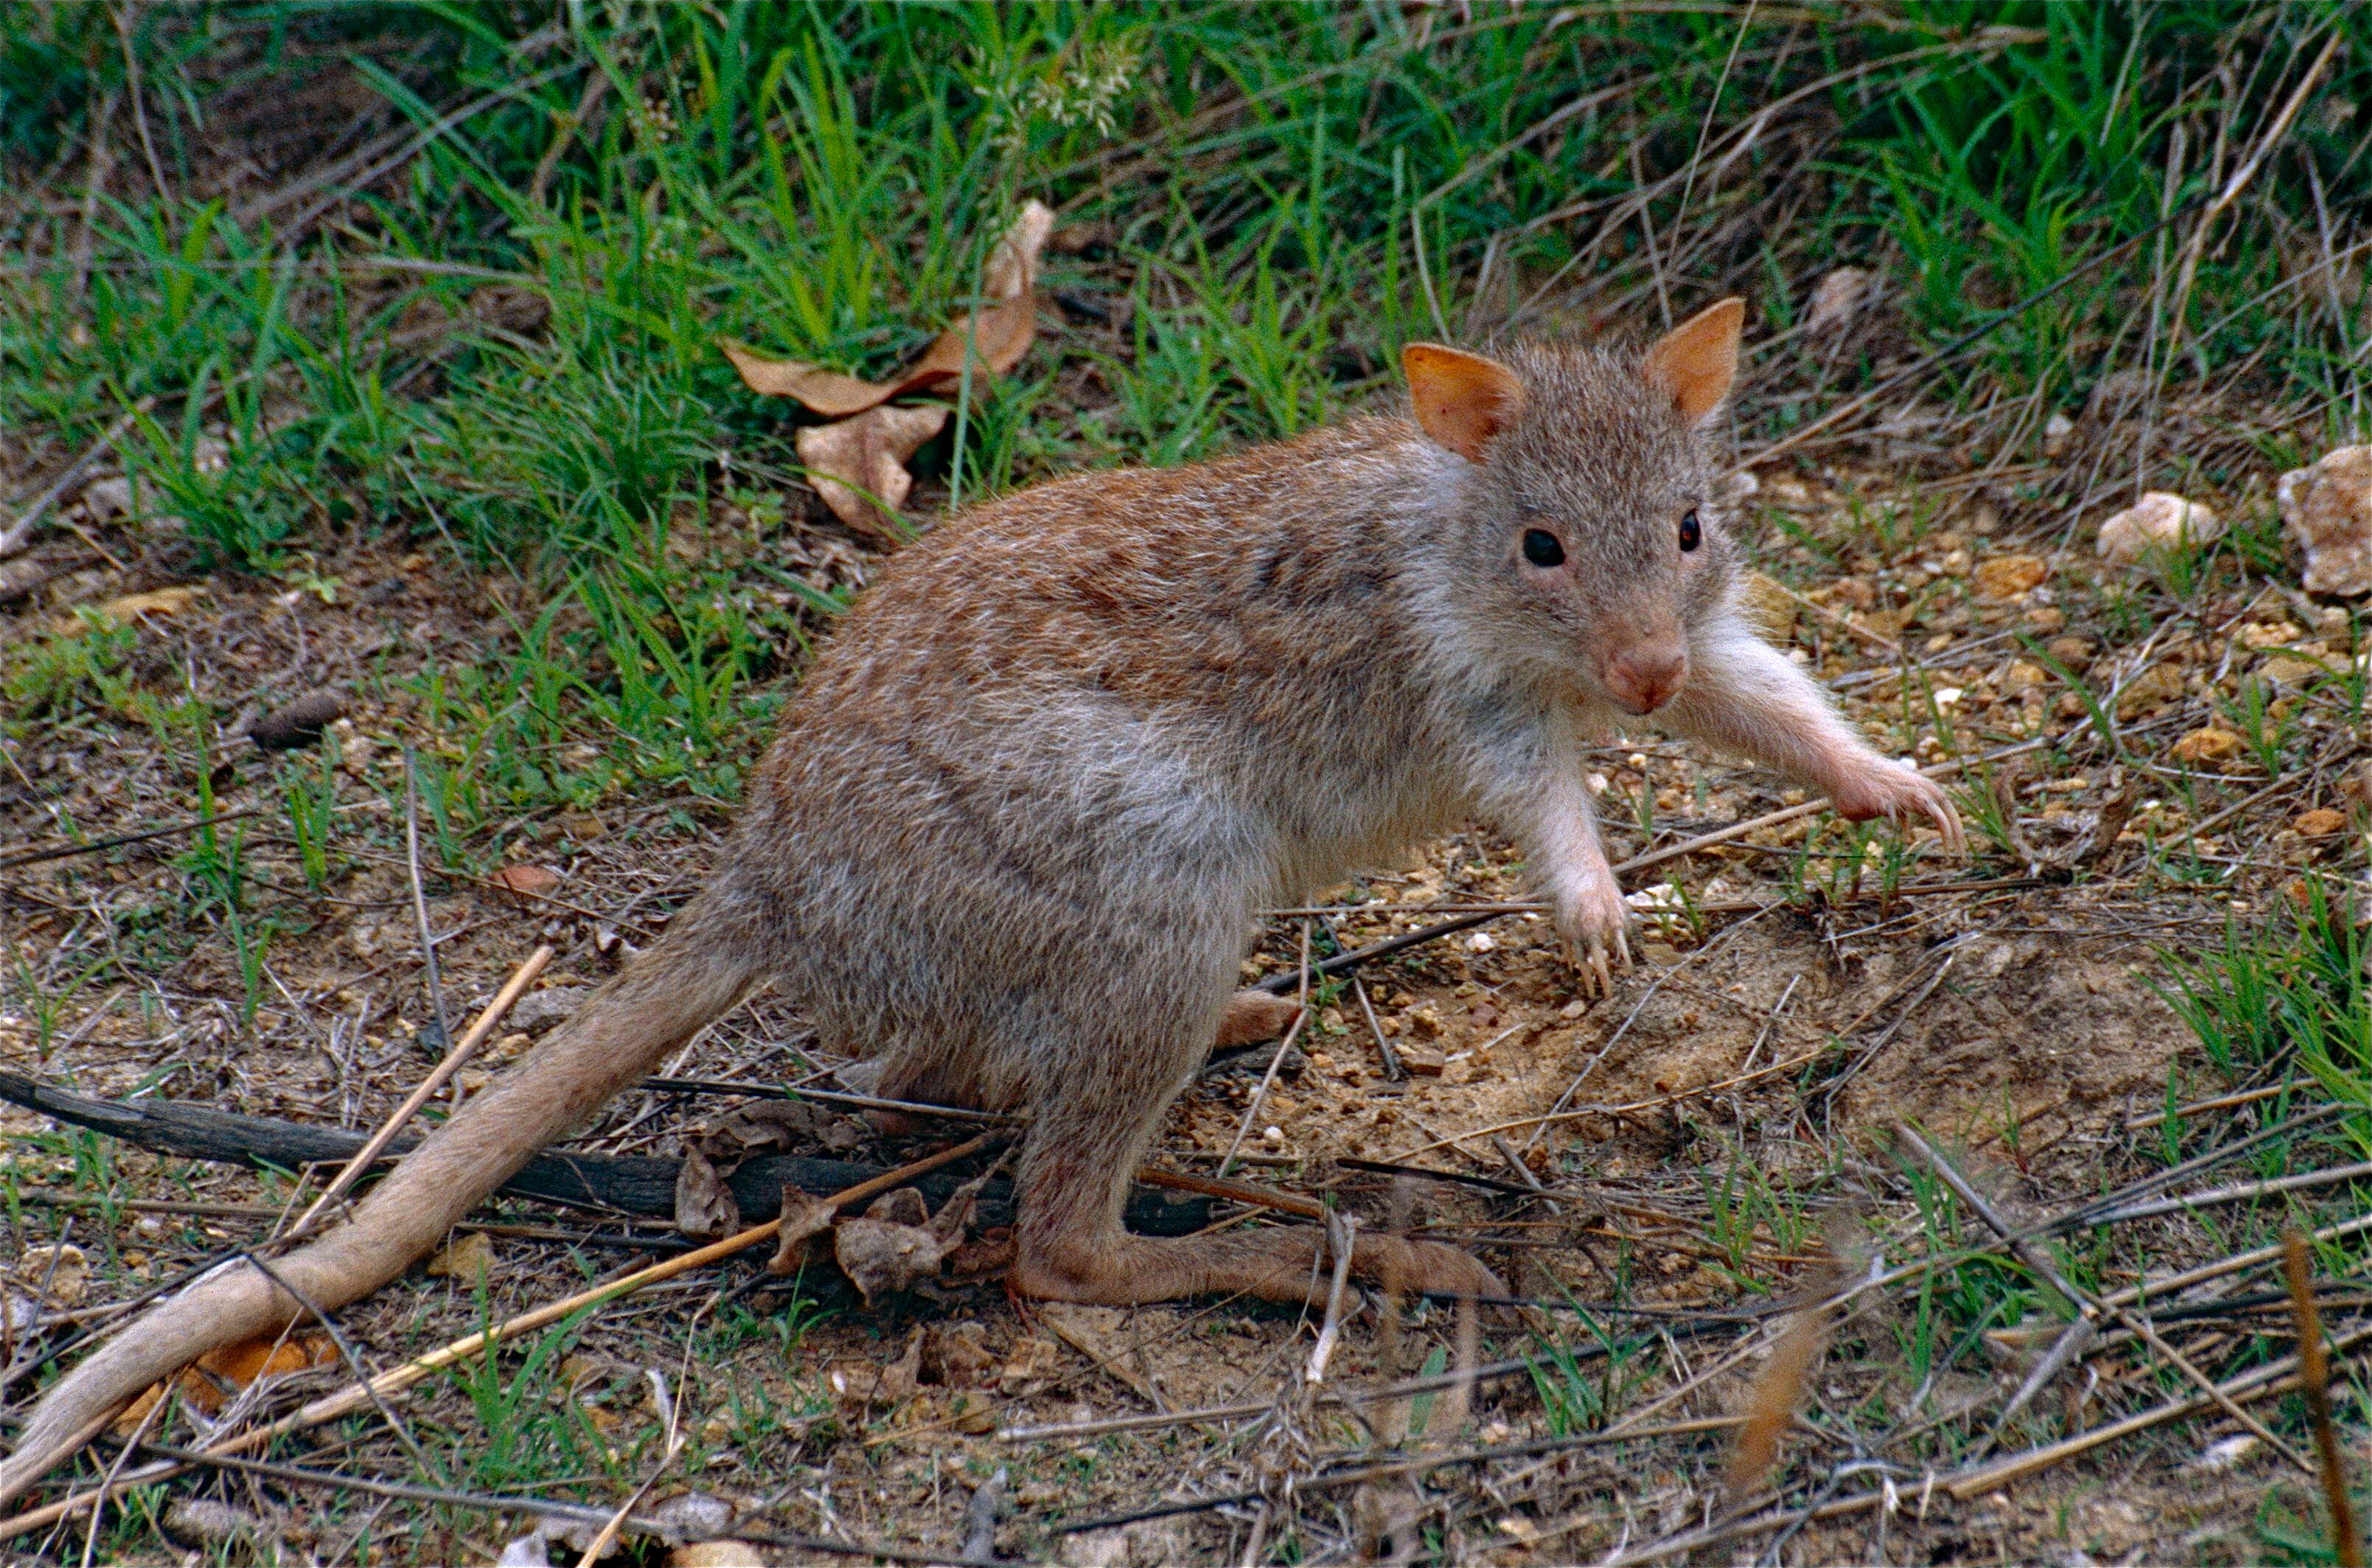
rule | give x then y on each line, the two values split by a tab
605	1183
357	1397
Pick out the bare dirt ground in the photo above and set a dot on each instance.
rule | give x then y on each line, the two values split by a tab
1691	1131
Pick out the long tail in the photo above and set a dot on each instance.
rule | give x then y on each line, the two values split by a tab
690	977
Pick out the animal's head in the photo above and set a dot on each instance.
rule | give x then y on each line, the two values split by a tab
1586	544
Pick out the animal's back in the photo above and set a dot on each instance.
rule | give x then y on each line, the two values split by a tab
1071	739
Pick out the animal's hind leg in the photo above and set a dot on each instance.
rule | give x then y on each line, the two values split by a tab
1086	1142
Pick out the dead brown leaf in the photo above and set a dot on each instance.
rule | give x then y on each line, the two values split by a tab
211	1382
704	1206
827	392
858	465
995	338
804	1219
897	1242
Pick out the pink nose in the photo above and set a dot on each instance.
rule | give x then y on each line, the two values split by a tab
1644	678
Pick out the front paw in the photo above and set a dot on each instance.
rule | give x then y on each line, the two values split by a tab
1596	925
1876	787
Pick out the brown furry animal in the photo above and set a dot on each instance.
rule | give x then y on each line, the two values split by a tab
1020	815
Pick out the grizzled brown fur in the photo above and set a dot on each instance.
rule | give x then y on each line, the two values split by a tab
1011	840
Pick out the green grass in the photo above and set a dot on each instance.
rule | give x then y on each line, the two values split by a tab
1284	195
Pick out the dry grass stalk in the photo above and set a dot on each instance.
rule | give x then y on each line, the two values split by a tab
2314	1378
1771	1402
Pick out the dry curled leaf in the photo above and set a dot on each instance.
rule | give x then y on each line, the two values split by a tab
858	465
129	607
893	1244
704	1206
61	1272
994	338
804	1219
2208	746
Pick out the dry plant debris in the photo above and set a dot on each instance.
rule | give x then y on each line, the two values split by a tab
857	460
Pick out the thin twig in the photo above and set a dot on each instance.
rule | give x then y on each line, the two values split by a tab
1283	1049
419	898
2026	1252
1342	1240
363	1157
13	538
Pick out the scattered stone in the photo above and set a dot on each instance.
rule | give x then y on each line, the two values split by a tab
298	723
2007	576
60	1272
469	1257
716	1554
202	1522
2208	746
2159	684
541	1009
2056	430
1422	1061
2327	509
2158	521
2287	669
2074	652
115	496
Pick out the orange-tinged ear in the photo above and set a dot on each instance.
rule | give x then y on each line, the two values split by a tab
1462	400
1698	359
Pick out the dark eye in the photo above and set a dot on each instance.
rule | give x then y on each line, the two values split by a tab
1691	534
1542	549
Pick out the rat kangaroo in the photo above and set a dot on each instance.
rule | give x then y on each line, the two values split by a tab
1011	840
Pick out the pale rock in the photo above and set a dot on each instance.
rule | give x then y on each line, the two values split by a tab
2158	521
2327	509
2055	433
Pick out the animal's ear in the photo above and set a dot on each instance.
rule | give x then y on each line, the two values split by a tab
1698	359
1462	400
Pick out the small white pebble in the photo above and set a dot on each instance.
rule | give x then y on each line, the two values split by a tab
1637	759
1597	782
1948	695
1272	1135
1481	942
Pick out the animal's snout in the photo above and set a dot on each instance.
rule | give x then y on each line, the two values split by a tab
1643	677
